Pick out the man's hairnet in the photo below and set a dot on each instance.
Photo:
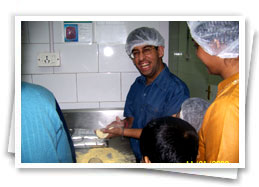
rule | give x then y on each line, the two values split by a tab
193	110
143	36
217	38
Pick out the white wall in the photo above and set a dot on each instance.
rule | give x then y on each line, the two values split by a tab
86	78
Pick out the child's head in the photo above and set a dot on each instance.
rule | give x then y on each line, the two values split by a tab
169	140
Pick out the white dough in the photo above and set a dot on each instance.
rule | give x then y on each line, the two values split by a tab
101	134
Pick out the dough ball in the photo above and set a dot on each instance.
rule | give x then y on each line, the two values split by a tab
101	134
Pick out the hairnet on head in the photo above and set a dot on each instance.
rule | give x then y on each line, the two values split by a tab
143	36
193	110
217	38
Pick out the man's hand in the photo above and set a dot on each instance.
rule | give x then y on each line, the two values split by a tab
117	123
115	128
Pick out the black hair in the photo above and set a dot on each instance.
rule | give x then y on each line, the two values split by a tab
169	140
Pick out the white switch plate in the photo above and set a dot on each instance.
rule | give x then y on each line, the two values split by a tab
48	59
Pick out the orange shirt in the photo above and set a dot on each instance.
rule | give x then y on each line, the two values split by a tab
219	133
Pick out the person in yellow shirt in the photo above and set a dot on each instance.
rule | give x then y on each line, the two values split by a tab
218	48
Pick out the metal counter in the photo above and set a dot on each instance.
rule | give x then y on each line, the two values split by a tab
93	119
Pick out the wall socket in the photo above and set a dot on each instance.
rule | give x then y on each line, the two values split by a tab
48	59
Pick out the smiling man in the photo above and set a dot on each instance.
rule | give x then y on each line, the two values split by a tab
148	60
156	93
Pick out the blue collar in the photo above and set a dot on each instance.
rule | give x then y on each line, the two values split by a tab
161	79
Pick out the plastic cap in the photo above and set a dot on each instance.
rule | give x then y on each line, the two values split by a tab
217	38
143	36
193	110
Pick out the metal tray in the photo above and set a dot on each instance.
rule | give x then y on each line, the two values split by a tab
86	138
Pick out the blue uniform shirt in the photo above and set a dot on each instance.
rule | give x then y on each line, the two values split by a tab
43	137
163	97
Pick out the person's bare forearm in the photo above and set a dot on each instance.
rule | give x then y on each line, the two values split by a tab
123	129
128	131
132	133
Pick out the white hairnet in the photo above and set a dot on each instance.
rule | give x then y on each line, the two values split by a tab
217	38
193	110
143	36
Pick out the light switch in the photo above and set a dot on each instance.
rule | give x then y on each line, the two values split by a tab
48	59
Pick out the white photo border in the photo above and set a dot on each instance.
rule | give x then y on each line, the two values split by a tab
19	19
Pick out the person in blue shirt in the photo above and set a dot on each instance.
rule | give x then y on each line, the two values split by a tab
156	93
44	135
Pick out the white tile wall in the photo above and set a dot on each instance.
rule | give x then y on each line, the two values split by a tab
38	31
87	78
30	54
77	58
117	30
25	32
127	80
98	87
131	25
58	32
63	86
79	105
112	104
26	78
113	58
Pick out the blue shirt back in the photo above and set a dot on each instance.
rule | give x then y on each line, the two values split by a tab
43	137
163	97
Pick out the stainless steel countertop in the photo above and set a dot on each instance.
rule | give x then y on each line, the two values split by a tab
96	119
91	118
